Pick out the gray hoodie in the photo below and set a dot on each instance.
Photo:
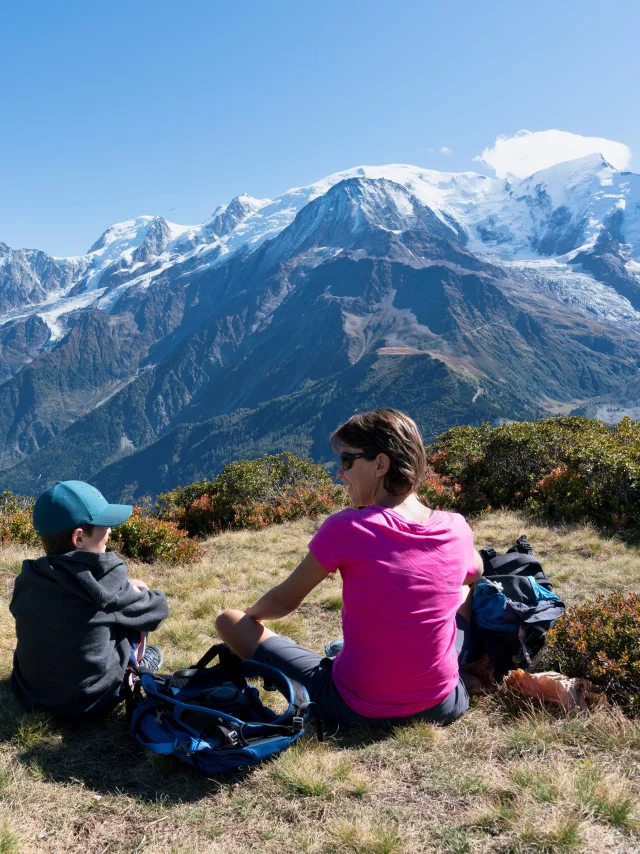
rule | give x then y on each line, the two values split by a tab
73	614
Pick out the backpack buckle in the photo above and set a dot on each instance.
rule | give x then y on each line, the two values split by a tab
232	737
523	546
297	723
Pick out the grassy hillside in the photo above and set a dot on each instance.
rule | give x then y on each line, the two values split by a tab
509	777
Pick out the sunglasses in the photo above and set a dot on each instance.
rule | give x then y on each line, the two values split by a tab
347	459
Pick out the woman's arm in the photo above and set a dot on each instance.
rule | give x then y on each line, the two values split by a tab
474	577
286	596
468	587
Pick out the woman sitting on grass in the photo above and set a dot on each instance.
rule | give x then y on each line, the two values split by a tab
404	569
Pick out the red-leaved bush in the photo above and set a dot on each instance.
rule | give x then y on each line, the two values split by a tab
438	491
149	539
293	503
600	641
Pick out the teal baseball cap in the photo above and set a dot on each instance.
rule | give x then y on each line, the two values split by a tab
69	504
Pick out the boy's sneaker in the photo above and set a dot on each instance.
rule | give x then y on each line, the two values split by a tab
332	648
152	658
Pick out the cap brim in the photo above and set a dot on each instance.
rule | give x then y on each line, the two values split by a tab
112	515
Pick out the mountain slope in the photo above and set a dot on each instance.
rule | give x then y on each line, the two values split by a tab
516	297
300	422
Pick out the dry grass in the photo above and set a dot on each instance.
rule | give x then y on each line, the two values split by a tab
508	778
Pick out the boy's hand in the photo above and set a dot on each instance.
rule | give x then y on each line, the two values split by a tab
139	585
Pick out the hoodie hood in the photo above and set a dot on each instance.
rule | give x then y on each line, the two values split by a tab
94	577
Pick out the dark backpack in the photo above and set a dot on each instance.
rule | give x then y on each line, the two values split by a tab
513	608
212	718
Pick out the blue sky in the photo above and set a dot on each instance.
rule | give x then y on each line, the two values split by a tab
112	110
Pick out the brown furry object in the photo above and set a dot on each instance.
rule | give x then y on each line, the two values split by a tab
571	693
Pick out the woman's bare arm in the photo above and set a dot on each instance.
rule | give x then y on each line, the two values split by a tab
287	596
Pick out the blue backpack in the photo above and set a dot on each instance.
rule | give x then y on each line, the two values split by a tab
513	608
212	718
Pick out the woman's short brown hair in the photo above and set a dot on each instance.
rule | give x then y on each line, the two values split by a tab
60	544
387	431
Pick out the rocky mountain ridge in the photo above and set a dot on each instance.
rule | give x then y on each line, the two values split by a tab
457	296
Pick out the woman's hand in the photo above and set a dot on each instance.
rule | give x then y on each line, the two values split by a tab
287	596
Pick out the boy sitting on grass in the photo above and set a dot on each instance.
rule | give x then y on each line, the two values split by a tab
80	620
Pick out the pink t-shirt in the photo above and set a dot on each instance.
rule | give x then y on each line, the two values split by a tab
401	590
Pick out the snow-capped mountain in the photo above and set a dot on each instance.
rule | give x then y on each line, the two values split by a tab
540	223
490	279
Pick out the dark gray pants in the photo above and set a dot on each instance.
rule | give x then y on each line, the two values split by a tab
315	673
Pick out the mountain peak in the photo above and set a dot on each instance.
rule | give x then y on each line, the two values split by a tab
155	242
246	199
580	168
356	203
129	230
370	213
227	217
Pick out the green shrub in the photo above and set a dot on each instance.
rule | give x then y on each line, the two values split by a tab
600	641
16	524
569	469
149	539
251	494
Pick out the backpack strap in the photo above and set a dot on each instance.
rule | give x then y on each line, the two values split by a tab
300	706
300	696
207	722
218	650
312	710
303	707
488	553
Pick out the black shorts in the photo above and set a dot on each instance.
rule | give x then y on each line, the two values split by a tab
315	673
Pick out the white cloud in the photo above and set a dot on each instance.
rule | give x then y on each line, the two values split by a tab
527	152
445	150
